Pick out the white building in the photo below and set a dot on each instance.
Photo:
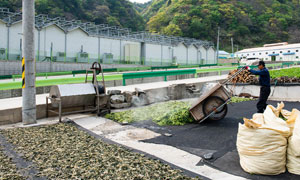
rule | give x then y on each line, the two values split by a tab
272	52
224	55
74	41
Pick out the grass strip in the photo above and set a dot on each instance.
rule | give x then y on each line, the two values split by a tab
62	151
215	69
240	99
51	82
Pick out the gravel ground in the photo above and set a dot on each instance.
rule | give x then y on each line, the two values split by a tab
8	169
62	151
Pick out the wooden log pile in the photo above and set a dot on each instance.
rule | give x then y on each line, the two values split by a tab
244	77
248	78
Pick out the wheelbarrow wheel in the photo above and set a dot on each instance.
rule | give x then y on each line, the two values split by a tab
211	104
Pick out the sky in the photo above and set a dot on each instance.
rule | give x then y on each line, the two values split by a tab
140	1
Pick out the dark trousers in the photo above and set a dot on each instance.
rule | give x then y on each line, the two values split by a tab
263	97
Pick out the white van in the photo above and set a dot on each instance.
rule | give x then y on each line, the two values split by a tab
249	61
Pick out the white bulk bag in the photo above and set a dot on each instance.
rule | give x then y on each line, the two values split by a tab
262	143
293	153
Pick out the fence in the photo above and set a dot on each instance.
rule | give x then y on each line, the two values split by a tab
105	58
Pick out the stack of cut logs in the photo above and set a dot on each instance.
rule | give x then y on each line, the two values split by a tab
244	77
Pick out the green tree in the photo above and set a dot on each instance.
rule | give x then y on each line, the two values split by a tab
172	30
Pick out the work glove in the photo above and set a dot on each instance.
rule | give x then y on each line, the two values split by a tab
247	68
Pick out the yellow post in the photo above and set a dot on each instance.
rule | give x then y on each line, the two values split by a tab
23	73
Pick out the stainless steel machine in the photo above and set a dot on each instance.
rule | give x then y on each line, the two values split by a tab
77	98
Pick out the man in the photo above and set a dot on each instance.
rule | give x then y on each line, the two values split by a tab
265	89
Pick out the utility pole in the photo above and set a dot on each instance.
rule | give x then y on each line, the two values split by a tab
232	46
218	45
28	64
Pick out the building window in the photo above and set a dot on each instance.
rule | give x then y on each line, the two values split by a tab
297	50
253	54
273	52
266	52
289	51
259	53
280	52
247	54
280	58
297	57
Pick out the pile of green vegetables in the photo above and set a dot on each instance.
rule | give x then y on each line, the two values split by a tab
174	113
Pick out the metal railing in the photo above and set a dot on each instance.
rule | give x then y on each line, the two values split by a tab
164	74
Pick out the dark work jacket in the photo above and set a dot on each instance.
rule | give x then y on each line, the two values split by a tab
264	76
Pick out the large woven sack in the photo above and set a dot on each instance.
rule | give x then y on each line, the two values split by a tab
262	143
277	110
293	153
292	119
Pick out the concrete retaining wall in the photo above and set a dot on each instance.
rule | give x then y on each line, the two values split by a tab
173	92
278	93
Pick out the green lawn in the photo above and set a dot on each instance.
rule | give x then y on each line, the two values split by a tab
293	72
72	80
51	82
215	69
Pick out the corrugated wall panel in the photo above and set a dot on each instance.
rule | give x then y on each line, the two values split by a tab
180	54
193	58
3	35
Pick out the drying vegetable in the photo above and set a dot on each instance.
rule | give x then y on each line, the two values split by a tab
175	113
169	113
62	151
8	169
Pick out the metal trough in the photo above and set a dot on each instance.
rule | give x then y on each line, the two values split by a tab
89	96
71	96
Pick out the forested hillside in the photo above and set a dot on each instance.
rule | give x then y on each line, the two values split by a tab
141	7
113	12
249	22
153	8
